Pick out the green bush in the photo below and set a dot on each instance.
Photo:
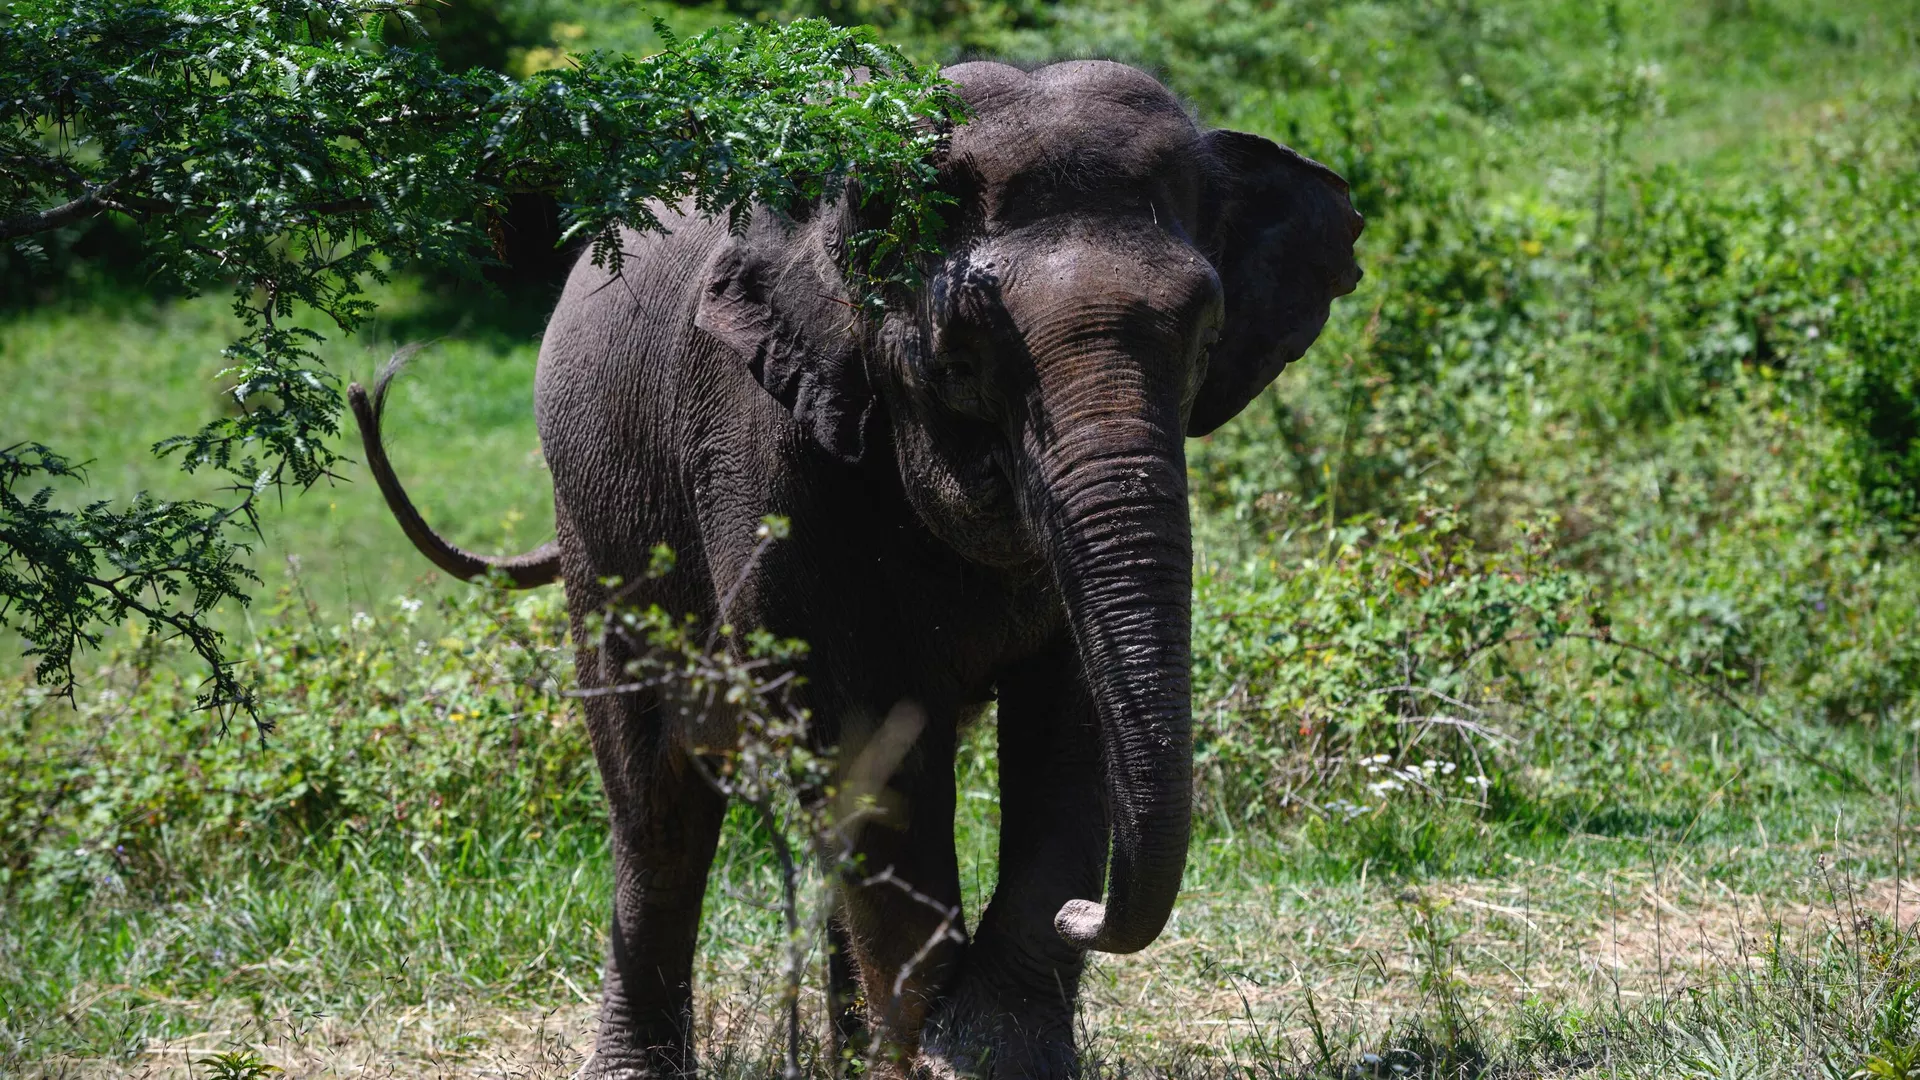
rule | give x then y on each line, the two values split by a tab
1380	667
1703	376
420	732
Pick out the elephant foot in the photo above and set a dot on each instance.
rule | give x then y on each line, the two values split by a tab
601	1067
632	1057
933	1066
976	1041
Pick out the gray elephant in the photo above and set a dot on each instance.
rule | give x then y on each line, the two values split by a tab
987	493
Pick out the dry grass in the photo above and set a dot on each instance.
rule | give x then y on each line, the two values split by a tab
421	1041
1274	974
1237	971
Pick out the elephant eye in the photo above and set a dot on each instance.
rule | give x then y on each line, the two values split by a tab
1202	361
957	379
958	371
1207	341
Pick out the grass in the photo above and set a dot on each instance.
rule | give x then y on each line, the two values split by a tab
1581	952
1685	862
116	374
398	906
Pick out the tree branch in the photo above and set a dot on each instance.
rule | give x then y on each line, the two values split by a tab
57	217
1838	772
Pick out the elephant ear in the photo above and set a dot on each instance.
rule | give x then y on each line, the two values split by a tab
1280	230
767	298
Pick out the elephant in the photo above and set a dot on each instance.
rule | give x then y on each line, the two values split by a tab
985	480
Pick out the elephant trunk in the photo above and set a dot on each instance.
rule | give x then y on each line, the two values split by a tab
1114	522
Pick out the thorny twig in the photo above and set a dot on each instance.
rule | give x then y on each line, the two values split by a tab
947	930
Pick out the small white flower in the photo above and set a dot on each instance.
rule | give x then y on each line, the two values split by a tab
1347	810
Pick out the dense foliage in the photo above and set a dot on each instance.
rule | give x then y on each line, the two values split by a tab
295	149
1703	373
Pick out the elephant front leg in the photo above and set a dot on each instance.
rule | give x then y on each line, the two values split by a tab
900	904
847	1035
1012	1013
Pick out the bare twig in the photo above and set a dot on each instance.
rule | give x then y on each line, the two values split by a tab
1839	772
1492	735
947	930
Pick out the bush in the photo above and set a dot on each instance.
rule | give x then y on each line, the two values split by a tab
409	730
1705	376
1384	666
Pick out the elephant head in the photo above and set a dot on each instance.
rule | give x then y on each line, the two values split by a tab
1113	280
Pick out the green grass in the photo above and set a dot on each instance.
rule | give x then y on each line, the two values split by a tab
116	374
415	874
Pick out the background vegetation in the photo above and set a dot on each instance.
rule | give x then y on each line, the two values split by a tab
1554	622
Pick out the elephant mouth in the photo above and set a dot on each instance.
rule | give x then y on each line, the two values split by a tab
961	485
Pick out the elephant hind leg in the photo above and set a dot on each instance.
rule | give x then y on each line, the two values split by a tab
663	849
665	826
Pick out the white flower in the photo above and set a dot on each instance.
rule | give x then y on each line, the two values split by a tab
1347	810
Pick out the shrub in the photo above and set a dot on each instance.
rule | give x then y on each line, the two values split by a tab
1384	666
399	729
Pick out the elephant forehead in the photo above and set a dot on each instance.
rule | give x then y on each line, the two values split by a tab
1081	128
1078	299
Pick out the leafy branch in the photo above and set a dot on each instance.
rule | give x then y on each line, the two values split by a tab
52	587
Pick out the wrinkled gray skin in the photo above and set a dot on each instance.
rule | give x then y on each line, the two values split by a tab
988	497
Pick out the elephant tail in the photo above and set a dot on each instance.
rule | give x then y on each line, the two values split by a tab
541	566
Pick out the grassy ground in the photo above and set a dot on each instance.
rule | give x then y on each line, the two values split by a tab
414	880
1596	955
116	374
1650	442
